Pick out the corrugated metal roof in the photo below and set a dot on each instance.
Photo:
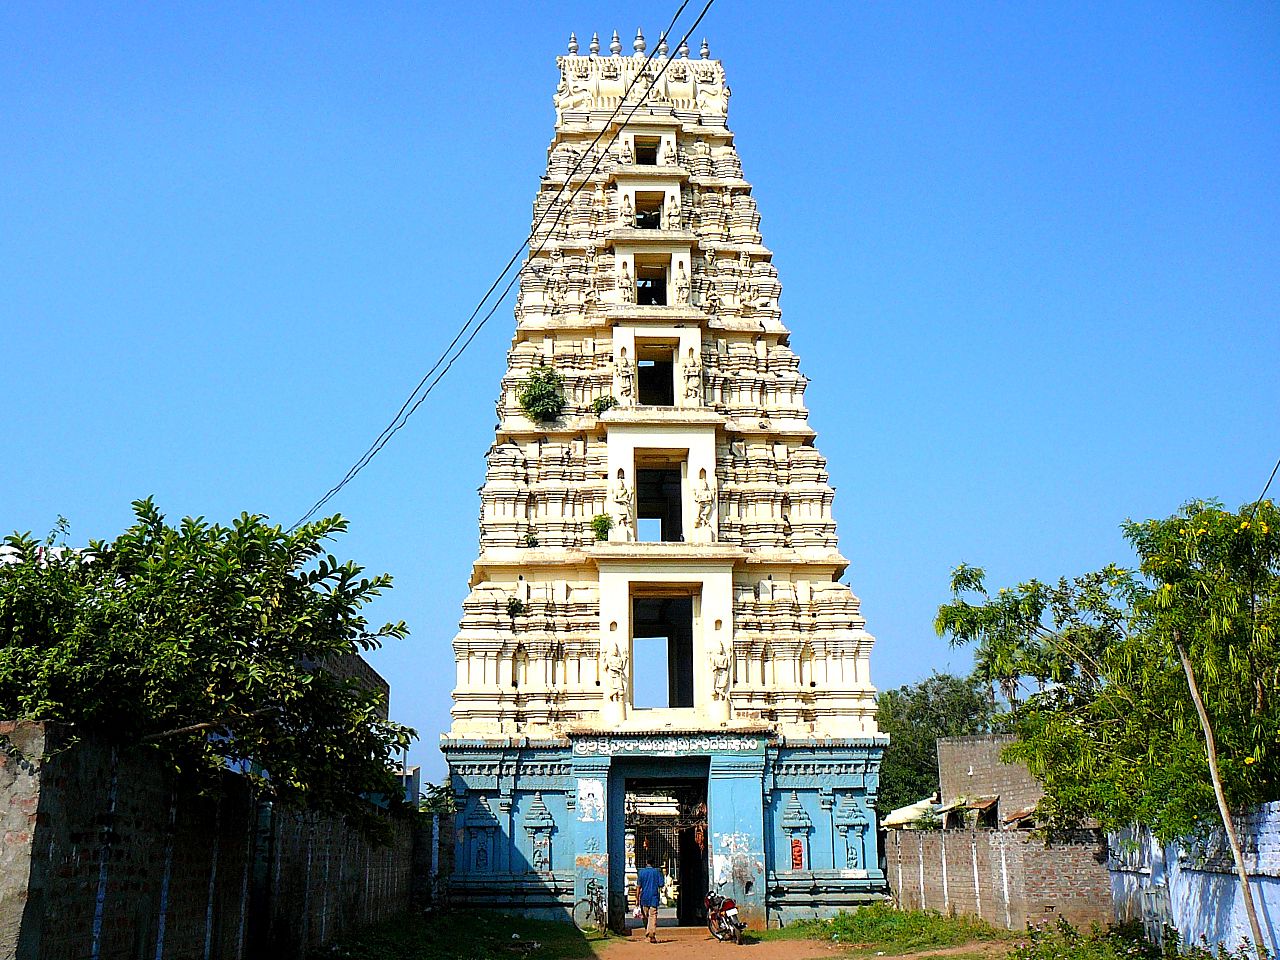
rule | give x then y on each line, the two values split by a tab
1022	814
908	814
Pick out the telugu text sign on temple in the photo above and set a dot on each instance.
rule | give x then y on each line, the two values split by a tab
658	575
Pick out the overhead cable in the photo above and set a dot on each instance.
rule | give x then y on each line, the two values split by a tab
419	394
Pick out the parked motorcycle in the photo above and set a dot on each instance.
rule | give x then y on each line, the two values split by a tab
722	918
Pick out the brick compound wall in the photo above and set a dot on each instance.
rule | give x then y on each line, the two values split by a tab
1007	877
99	857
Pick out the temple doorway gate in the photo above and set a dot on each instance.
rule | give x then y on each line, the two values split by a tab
666	821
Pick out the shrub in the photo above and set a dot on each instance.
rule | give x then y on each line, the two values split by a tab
457	935
515	607
601	524
898	930
1064	942
542	396
600	404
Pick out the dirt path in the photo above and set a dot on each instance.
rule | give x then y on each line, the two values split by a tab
688	943
694	943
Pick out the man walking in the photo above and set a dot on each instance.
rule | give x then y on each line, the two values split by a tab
648	887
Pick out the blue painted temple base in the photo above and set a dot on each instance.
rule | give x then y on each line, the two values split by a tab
787	830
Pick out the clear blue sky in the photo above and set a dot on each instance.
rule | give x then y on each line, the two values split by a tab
1029	258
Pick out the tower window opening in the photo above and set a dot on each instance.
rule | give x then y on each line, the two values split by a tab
647	151
649	210
659	510
651	286
655	375
662	654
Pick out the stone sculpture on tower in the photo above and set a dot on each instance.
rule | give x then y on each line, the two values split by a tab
656	625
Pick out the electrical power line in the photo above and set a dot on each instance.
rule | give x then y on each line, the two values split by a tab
359	464
1262	496
414	401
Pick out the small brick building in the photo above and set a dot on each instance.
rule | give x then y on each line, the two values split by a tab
987	861
970	768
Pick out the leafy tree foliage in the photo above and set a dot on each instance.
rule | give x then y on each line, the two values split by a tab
915	716
207	646
1108	722
437	798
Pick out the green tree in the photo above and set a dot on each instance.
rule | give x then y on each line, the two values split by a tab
1157	696
437	798
914	717
207	646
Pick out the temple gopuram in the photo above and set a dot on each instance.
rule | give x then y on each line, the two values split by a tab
656	659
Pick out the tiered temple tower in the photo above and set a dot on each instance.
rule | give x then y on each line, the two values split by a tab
656	657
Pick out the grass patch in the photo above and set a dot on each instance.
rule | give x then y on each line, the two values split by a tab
463	936
881	928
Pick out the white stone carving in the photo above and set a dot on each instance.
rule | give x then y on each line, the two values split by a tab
721	672
615	673
671	213
714	100
704	502
573	93
557	282
692	377
591	291
626	284
623	522
681	284
624	378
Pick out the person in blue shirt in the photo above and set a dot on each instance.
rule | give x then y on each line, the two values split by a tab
648	890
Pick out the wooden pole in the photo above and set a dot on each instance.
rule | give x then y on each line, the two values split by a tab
1232	839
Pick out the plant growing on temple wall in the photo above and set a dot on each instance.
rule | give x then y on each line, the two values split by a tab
1155	690
515	607
600	404
542	396
209	647
601	524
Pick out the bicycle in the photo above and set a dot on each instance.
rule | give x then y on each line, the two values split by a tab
590	913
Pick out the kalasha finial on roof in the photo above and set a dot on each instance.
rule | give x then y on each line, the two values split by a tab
573	44
638	44
595	44
615	46
705	52
662	45
684	49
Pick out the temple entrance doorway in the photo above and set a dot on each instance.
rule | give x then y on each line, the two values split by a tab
666	820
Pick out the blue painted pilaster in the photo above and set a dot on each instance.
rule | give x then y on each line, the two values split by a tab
591	824
735	813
